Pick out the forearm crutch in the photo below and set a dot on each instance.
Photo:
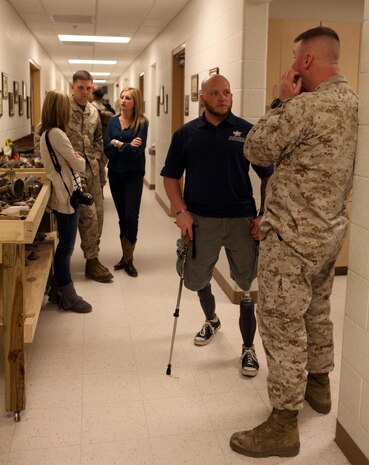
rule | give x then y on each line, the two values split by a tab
176	312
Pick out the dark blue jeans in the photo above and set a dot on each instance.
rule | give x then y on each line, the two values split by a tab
67	232
126	190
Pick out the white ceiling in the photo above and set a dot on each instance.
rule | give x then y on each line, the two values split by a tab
142	20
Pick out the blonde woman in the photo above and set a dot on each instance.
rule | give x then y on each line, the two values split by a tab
59	160
124	145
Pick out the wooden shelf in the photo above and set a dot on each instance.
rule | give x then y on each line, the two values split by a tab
22	287
24	231
36	275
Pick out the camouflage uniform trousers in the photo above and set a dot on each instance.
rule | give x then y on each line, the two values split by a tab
293	317
91	216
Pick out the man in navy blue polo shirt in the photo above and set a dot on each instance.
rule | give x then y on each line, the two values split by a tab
218	203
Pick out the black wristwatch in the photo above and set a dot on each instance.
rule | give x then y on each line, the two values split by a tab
277	102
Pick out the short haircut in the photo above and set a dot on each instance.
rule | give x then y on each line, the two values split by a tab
98	93
82	75
56	111
320	31
210	78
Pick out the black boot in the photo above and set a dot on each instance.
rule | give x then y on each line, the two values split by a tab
53	291
69	300
130	269
119	265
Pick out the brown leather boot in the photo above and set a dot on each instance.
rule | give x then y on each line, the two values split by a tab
96	271
130	269
278	435
126	262
318	392
120	264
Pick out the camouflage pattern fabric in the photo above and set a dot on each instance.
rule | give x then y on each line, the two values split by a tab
293	317
312	140
91	217
85	133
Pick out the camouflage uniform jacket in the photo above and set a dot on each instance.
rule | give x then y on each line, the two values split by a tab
85	133
312	140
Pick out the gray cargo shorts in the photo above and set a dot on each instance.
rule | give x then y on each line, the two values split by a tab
211	234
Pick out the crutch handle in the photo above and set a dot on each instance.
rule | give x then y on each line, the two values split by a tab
186	239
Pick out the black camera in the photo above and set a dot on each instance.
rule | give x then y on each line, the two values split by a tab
80	198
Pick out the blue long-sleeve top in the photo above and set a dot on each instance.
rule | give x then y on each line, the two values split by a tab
128	158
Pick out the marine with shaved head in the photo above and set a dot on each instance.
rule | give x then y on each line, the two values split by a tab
310	134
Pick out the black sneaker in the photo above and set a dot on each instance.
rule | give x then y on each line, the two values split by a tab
206	333
249	362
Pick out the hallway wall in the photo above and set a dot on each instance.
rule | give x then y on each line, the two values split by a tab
17	47
327	10
353	408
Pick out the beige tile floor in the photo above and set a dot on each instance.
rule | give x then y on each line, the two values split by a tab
97	390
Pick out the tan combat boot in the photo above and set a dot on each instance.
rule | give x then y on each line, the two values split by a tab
318	392
279	435
96	271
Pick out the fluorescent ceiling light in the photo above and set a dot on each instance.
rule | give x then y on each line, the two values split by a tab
100	80
98	73
102	39
93	62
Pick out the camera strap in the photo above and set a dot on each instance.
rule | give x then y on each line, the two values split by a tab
54	159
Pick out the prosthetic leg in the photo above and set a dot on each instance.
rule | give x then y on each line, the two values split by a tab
212	322
207	302
247	323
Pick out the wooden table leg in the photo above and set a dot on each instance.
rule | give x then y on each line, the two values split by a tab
14	304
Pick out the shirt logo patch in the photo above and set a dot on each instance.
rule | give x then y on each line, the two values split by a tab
237	137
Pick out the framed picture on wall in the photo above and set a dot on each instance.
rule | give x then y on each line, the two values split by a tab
16	91
187	105
195	87
21	108
28	107
166	103
213	71
11	103
162	95
4	84
1	103
24	90
158	105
